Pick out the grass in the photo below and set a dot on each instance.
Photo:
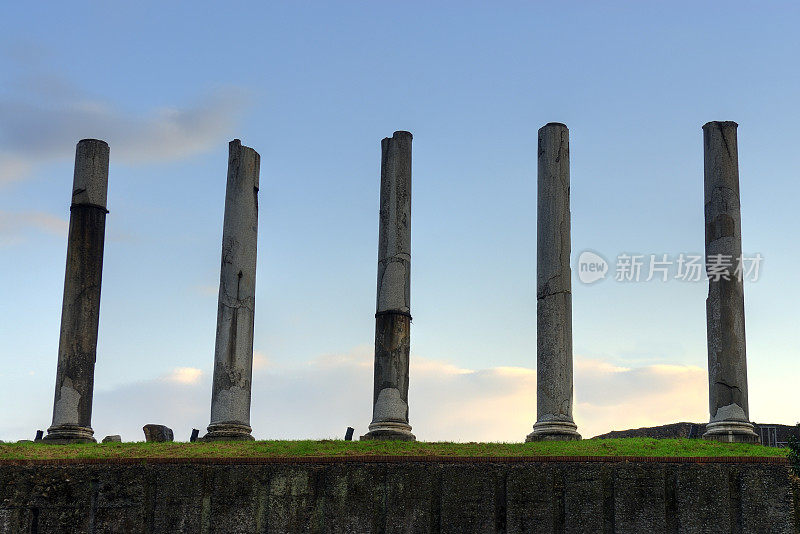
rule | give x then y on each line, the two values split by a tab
337	448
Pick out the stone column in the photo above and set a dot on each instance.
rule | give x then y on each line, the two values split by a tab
727	362
553	290
393	309
233	355
80	311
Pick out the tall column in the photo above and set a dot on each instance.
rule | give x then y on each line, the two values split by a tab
80	311
393	309
727	361
553	290
233	355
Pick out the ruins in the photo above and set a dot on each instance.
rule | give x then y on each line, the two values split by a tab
393	306
233	354
80	311
553	290
727	361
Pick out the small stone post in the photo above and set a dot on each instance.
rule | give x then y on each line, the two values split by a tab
233	355
80	311
393	315
553	290
727	361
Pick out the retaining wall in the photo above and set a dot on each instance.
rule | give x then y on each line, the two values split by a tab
400	495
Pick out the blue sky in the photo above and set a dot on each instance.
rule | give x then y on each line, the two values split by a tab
314	87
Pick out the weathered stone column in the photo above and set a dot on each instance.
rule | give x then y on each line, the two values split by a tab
727	361
233	355
393	315
553	290
80	311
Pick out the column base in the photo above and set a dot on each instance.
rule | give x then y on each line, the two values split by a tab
67	434
228	432
553	431
389	431
731	432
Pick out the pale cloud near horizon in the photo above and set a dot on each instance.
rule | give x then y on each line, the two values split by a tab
260	361
619	398
13	167
320	398
15	225
206	290
184	375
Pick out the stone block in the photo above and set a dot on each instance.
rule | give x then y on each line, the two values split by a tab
157	433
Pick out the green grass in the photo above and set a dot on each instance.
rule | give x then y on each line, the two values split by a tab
329	448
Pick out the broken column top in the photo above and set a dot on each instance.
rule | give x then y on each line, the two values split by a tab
90	181
249	159
561	124
398	134
721	124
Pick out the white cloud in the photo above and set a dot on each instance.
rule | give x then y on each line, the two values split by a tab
619	398
207	290
14	226
322	397
184	375
12	168
260	361
43	115
180	400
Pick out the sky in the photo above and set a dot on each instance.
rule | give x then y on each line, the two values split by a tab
314	87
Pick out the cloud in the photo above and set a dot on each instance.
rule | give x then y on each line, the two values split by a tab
260	361
14	226
184	375
43	115
12	168
23	51
619	398
206	289
322	397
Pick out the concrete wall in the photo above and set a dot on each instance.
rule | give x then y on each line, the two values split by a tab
409	496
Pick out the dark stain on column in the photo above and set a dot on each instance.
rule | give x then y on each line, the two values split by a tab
392	348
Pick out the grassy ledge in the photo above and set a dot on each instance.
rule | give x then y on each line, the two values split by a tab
336	448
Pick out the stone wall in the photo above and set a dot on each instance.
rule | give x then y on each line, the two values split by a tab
399	495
